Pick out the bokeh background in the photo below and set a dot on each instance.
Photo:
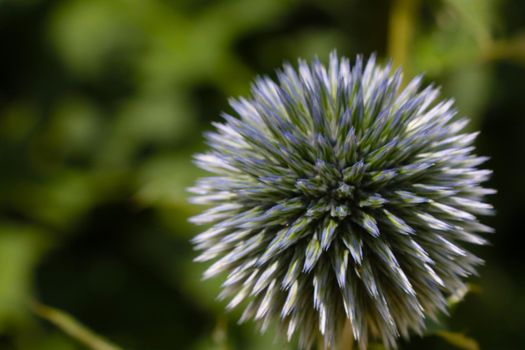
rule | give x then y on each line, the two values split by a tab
103	102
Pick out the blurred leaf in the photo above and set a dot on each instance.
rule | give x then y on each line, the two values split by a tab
75	128
89	34
49	341
163	181
444	49
476	16
58	202
203	292
145	123
155	118
20	248
72	327
459	340
16	121
471	87
463	29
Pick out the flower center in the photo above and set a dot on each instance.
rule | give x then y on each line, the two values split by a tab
337	193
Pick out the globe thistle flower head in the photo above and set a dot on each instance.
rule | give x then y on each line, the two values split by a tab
340	196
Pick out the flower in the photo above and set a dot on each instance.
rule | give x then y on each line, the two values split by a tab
341	196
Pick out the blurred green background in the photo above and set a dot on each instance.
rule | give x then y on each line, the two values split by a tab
103	102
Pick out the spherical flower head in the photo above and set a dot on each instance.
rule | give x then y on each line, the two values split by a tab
340	196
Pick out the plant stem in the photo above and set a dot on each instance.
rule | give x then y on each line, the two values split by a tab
510	49
72	327
346	341
401	28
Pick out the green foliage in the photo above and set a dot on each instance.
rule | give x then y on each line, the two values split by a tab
103	102
20	249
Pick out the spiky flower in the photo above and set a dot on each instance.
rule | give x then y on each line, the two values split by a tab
340	196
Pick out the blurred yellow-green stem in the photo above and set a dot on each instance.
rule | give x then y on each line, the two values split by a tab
401	28
72	327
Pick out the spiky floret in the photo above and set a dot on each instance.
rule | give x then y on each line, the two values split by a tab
340	196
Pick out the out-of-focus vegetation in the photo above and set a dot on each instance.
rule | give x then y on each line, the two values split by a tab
103	102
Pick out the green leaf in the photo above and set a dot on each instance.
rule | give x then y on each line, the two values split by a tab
475	16
463	30
459	340
20	249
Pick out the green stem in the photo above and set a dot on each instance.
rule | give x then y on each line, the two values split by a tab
72	327
401	28
346	341
510	49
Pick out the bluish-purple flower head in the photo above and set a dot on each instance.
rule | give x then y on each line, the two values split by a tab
340	196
